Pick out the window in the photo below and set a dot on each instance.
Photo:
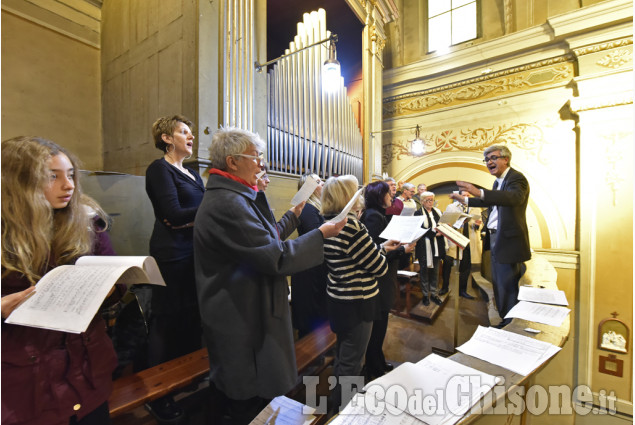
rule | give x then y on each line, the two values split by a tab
451	22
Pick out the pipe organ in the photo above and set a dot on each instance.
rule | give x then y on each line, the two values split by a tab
310	130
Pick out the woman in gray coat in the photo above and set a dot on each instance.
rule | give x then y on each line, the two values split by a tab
241	260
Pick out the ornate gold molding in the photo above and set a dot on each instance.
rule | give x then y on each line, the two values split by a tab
603	46
579	105
531	78
616	58
525	136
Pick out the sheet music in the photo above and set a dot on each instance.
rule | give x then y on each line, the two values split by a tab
451	217
408	211
347	208
284	411
67	297
357	413
542	295
435	378
305	192
541	313
511	351
147	263
404	229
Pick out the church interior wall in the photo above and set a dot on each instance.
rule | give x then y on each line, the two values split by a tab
547	91
50	77
148	71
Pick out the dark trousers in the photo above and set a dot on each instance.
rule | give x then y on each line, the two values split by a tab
375	360
349	355
226	411
505	279
99	416
465	266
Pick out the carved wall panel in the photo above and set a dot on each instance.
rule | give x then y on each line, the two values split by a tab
508	82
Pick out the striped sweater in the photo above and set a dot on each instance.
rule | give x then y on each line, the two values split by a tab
354	263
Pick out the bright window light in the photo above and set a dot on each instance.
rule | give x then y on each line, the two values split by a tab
451	22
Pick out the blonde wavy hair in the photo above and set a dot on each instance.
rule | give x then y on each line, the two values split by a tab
337	192
33	234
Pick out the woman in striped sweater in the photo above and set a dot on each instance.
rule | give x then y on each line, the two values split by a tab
354	264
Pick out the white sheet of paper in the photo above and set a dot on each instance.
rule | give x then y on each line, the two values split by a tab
357	413
460	385
511	351
450	217
408	211
284	411
541	313
403	228
406	273
147	263
305	191
71	303
542	295
347	208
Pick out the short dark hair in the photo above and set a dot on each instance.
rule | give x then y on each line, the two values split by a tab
167	125
375	193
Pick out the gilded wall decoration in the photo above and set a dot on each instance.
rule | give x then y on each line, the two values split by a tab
527	137
616	59
603	46
527	80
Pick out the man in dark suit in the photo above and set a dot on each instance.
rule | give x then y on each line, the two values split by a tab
506	224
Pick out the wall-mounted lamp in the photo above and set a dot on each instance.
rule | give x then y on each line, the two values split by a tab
330	70
417	145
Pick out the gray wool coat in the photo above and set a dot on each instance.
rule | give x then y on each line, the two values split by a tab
241	260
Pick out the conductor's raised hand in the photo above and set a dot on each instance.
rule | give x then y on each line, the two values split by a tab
329	229
297	210
468	187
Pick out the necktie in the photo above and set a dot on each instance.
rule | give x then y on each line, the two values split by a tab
495	184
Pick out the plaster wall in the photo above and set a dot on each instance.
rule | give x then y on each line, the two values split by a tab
51	84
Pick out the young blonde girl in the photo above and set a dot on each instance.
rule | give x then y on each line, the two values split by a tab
49	377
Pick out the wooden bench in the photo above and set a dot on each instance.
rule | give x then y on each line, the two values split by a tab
132	391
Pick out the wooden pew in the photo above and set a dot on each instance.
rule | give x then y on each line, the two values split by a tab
130	392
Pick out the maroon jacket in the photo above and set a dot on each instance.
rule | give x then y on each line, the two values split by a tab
49	376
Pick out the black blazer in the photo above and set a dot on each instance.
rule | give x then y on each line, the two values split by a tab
174	197
512	237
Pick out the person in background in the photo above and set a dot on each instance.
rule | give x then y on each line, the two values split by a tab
308	287
241	263
430	249
354	264
376	199
396	205
175	192
50	377
506	224
407	192
263	181
417	196
463	255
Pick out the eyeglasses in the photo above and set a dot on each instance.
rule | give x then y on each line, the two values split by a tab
492	158
260	159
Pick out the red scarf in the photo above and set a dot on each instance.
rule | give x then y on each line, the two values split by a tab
232	177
